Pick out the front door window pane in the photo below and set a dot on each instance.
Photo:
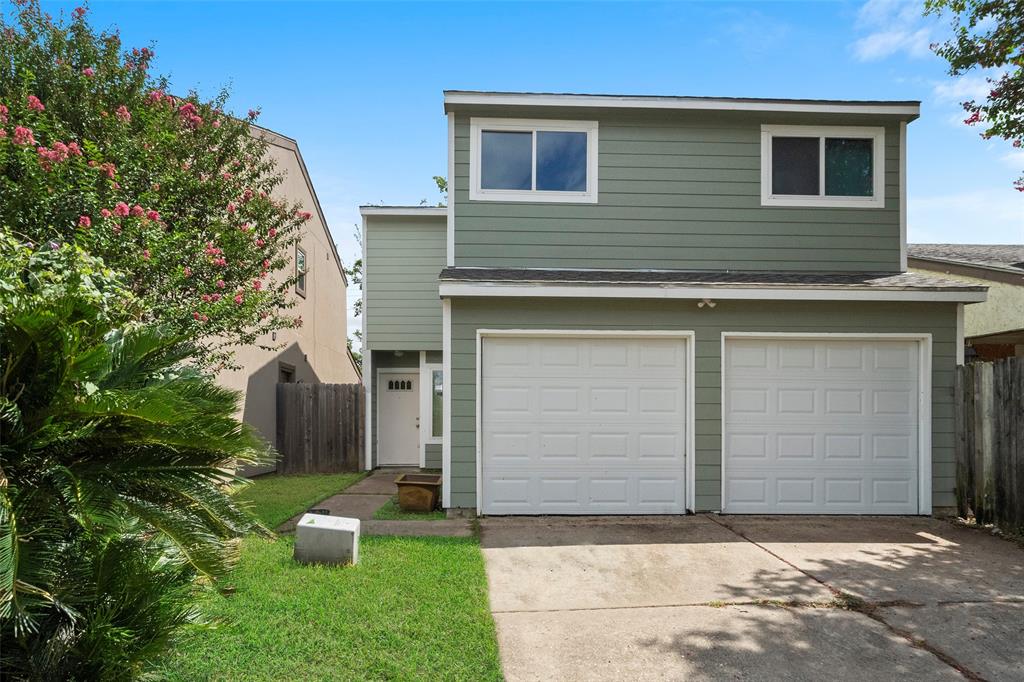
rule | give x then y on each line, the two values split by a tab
848	167
561	161
506	160
795	166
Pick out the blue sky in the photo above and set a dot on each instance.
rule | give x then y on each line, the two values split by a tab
359	84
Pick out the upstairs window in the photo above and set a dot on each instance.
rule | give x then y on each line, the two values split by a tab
822	166
519	160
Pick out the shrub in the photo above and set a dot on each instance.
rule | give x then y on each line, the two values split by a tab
172	191
115	461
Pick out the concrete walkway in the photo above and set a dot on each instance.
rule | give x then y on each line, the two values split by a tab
797	598
363	499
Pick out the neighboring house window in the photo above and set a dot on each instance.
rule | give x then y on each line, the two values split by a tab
520	160
822	166
300	271
285	374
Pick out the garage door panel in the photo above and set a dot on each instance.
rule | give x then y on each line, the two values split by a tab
582	425
568	491
820	426
839	492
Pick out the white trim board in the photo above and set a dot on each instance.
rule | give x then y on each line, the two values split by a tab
450	208
903	196
668	291
691	360
924	400
446	432
875	133
403	210
912	109
369	378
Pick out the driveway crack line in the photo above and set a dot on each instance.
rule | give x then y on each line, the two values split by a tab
870	609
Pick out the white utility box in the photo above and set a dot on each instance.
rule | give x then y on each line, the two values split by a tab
323	539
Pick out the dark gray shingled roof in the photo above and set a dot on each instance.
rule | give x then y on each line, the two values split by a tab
1009	257
858	280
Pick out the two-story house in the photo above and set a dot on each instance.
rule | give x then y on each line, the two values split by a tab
653	305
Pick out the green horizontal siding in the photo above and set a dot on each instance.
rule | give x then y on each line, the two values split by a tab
468	315
404	255
677	190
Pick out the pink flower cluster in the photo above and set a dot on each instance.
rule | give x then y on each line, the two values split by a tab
88	72
189	115
23	135
56	153
975	117
3	114
123	114
34	104
304	215
217	255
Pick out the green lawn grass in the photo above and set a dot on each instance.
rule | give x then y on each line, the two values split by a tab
411	609
392	512
276	498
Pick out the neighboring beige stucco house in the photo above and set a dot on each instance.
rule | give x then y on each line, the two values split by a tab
316	352
993	329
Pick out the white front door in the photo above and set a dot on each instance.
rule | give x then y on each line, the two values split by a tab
398	411
583	425
820	426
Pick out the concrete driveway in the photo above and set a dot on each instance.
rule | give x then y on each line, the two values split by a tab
735	597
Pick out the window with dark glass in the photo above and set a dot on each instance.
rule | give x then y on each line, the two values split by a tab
506	160
540	160
849	170
795	165
561	161
822	166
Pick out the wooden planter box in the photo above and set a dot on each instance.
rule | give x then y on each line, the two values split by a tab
418	492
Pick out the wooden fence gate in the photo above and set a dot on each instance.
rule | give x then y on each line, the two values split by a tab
990	442
320	428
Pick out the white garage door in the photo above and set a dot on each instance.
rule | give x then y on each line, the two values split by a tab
583	425
821	426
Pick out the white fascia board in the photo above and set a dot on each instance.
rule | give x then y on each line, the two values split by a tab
403	211
673	103
762	293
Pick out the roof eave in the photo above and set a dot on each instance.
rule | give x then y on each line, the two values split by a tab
909	110
821	292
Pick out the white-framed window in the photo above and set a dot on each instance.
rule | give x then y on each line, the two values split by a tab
533	160
431	402
837	166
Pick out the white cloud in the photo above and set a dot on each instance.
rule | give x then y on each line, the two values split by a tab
985	216
964	88
895	27
882	44
1014	159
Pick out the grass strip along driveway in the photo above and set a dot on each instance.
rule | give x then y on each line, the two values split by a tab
413	608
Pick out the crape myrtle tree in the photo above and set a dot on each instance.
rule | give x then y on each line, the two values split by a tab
989	34
170	191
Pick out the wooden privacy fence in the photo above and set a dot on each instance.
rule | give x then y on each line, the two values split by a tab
320	428
990	442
